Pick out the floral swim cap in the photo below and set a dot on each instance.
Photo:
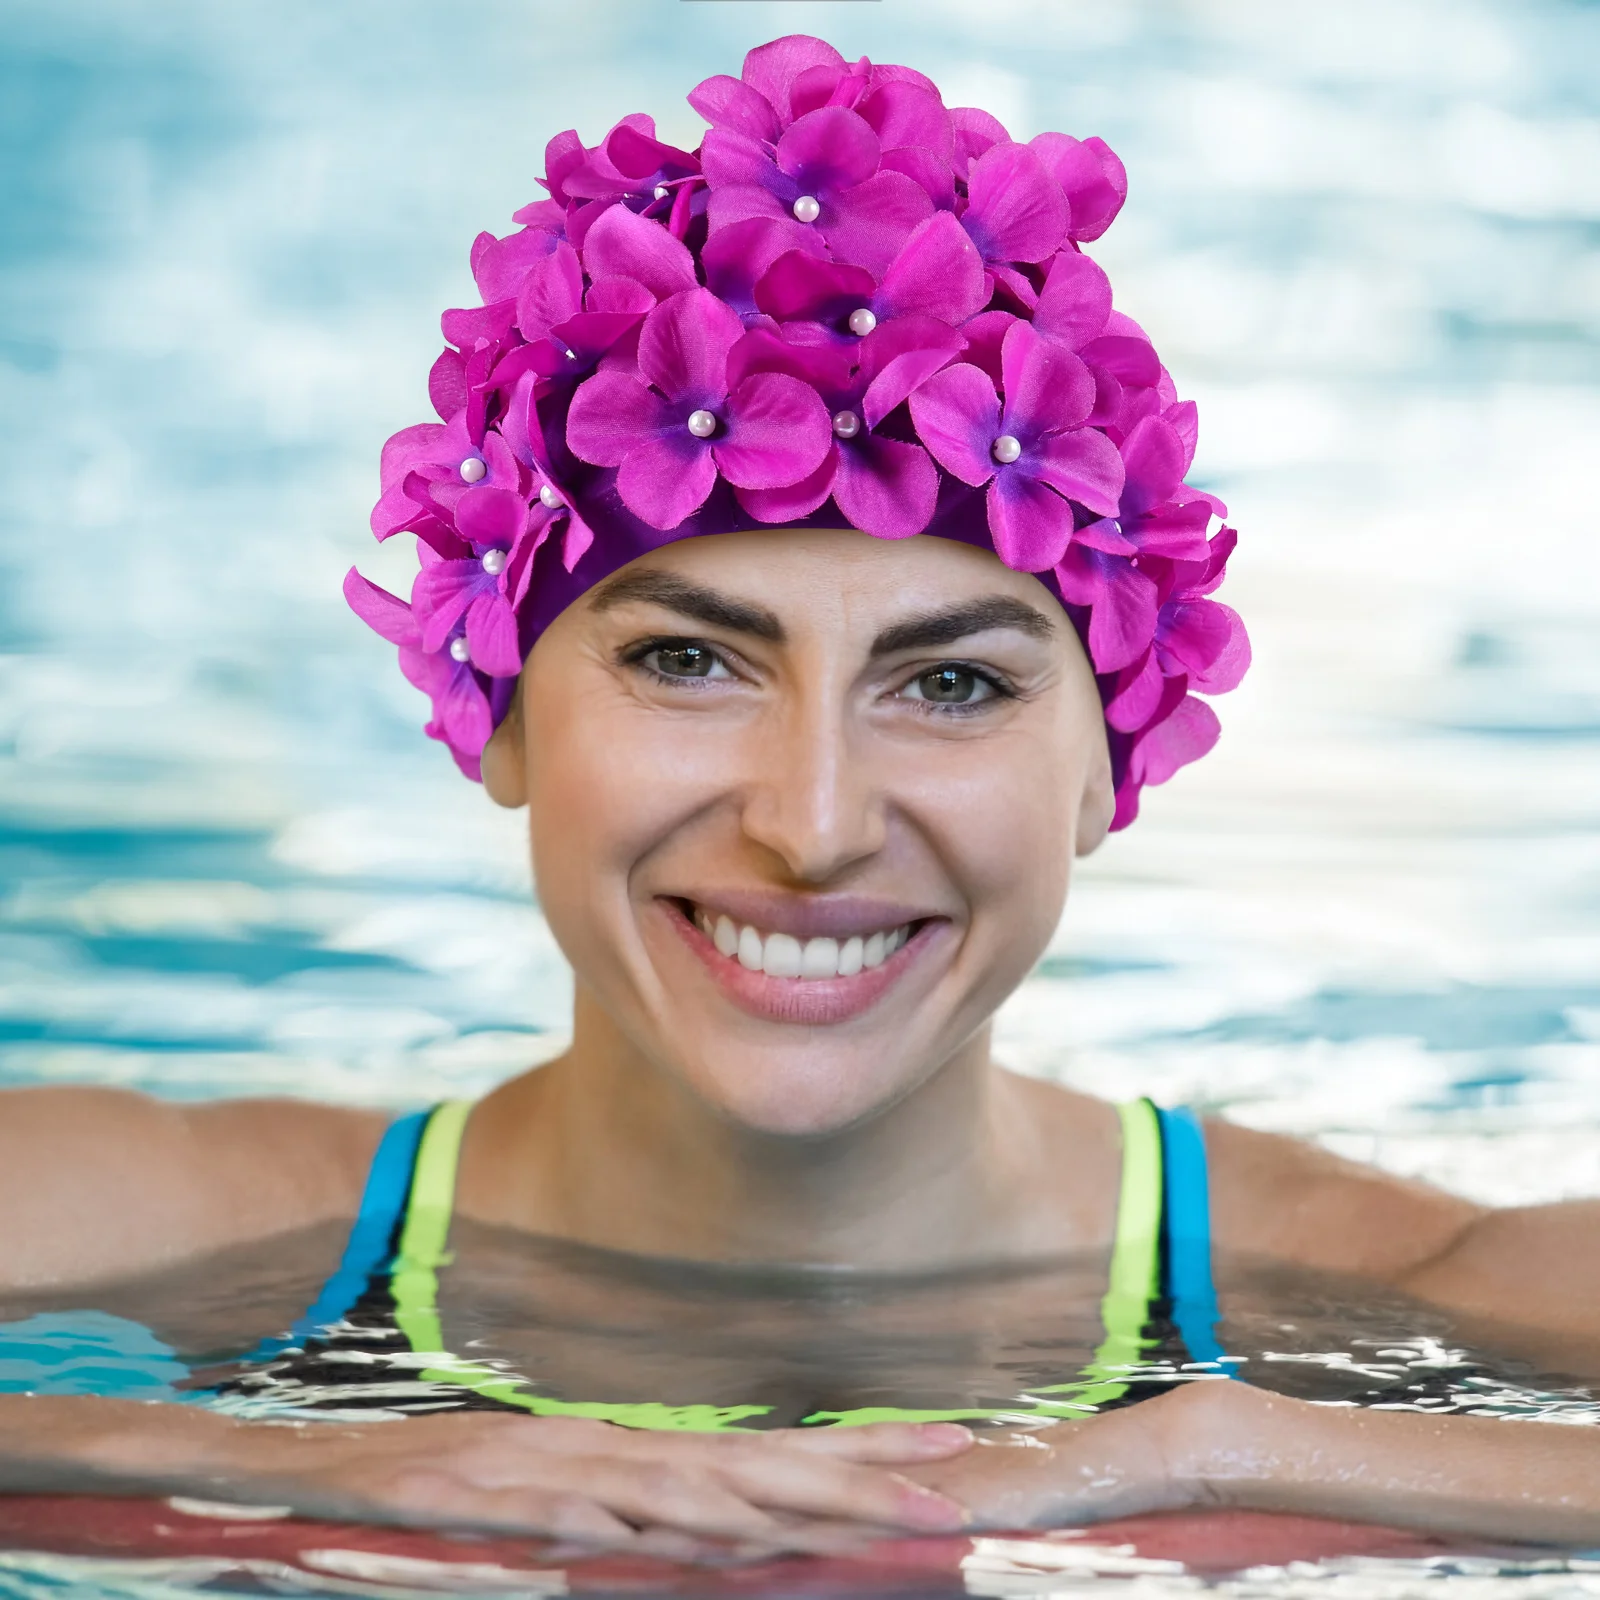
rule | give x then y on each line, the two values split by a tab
852	306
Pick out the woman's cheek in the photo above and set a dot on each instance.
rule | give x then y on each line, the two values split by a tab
1003	819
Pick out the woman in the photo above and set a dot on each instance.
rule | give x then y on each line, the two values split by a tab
804	791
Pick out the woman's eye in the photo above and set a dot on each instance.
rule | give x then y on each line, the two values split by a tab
685	660
951	684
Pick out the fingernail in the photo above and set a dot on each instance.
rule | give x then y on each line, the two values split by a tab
946	1435
926	1508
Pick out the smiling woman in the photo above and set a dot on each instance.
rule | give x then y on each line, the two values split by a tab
877	598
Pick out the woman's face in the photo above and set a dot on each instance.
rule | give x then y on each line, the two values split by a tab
803	807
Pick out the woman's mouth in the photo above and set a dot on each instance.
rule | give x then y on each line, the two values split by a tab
781	955
786	977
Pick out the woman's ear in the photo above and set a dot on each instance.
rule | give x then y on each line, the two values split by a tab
504	762
1097	809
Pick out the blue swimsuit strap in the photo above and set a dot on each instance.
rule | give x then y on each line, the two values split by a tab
372	1238
1186	1229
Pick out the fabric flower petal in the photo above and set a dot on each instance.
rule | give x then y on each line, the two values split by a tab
791	502
1046	387
870	224
610	414
1015	209
1030	526
729	103
386	614
1124	618
938	273
1135	694
1206	641
1083	465
730	159
905	114
801	286
492	636
886	487
491	516
976	131
684	345
1075	301
900	355
777	432
828	150
957	416
737	258
623	245
1155	457
667	478
1189	733
440	594
1092	179
770	69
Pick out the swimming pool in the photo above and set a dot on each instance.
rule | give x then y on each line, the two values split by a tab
227	863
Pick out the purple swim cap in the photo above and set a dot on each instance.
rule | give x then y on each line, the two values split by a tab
853	307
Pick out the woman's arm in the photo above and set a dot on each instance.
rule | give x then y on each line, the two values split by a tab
1531	1269
492	1473
1224	1444
101	1183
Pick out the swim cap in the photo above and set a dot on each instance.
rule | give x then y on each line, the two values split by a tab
852	306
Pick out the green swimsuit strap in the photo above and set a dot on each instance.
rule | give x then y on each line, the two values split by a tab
1135	1280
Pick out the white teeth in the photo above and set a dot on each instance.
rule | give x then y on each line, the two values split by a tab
781	958
781	955
819	959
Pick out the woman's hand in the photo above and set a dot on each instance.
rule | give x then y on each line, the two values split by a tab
1214	1443
567	1478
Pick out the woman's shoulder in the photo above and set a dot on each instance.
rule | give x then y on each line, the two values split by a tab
112	1182
1285	1198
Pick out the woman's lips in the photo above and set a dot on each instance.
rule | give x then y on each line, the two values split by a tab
778	977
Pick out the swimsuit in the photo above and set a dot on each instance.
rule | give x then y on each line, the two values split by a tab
380	1308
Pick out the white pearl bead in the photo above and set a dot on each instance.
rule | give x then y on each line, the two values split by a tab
702	424
460	650
662	191
494	562
1007	449
862	322
549	499
472	469
846	424
806	209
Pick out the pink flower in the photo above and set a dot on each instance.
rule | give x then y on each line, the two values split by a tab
673	428
824	173
884	486
1031	449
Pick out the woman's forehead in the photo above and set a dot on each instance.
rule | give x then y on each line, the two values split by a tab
838	570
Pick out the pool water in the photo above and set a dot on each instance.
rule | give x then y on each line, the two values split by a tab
1364	238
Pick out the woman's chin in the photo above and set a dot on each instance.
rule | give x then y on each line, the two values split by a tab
788	1094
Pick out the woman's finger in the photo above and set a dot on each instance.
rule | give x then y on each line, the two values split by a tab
886	1443
434	1499
687	1498
792	1480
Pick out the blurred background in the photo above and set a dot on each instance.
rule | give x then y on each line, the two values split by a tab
1365	237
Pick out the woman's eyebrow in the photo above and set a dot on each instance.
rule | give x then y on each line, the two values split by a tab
689	600
935	628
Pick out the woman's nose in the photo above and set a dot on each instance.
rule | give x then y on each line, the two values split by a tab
813	800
